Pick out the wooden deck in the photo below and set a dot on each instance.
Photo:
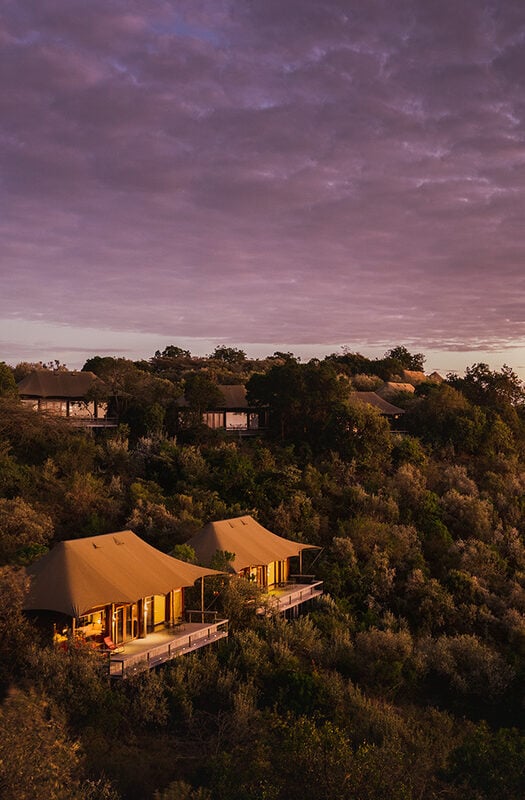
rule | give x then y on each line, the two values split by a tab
92	422
164	645
292	595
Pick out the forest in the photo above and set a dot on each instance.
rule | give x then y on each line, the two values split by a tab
404	681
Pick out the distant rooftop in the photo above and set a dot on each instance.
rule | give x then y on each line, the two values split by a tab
373	399
46	383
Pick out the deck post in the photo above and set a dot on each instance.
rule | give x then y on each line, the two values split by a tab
202	599
140	614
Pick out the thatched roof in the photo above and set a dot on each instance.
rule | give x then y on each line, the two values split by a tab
81	574
46	383
415	377
252	544
234	396
373	399
390	388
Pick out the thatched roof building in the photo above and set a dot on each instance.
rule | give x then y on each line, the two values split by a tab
373	399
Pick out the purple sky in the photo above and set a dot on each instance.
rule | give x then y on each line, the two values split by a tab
265	173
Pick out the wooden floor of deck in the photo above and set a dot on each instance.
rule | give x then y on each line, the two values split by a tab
164	645
292	595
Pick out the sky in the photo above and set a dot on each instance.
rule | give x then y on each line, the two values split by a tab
299	175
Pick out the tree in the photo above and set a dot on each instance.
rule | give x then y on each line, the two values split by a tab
490	764
170	364
172	351
133	392
32	437
279	355
445	417
231	355
410	361
24	532
7	381
358	432
16	633
37	757
24	368
301	398
201	393
180	790
490	388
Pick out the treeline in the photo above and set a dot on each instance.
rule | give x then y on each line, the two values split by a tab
407	679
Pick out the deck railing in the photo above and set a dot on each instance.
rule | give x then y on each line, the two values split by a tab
195	615
301	595
121	665
92	422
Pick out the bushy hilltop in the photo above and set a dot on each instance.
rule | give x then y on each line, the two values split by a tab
407	679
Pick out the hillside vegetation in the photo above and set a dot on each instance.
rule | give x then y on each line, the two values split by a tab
405	682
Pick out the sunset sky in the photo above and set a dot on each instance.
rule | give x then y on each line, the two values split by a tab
269	174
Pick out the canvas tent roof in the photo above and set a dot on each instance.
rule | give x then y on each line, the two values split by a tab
81	574
252	544
45	383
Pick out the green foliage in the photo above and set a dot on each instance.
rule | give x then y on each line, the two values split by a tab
232	355
180	790
75	677
485	387
222	560
138	398
446	417
15	631
24	532
32	437
7	381
423	562
469	666
37	756
201	393
184	553
490	764
310	407
410	361
172	351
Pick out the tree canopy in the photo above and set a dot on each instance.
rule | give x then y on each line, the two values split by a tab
404	681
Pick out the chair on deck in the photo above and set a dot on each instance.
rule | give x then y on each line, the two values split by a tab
111	647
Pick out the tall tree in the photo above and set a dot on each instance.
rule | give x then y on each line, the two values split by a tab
7	381
410	361
490	388
231	355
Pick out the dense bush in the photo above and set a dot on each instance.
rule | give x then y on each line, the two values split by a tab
404	681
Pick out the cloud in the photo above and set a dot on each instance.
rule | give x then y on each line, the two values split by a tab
302	172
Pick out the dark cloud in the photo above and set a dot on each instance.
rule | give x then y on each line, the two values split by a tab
302	172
